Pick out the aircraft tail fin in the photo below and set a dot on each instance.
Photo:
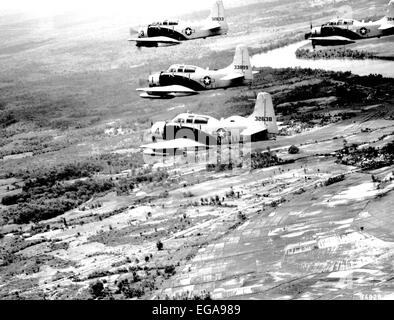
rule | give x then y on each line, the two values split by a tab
218	15
390	12
241	62
264	112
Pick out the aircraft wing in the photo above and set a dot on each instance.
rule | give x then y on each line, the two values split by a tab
233	76
214	25
173	144
166	40
334	39
164	91
386	26
253	129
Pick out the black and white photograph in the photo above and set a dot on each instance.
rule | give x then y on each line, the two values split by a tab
201	150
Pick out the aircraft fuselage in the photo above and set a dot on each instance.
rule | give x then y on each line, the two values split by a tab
207	130
349	31
195	78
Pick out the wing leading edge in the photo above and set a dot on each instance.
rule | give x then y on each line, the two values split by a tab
333	39
166	91
165	40
173	144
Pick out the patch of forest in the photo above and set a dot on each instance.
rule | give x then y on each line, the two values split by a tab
369	158
50	192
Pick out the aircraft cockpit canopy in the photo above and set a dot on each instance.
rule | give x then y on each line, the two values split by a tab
191	119
165	23
340	22
181	68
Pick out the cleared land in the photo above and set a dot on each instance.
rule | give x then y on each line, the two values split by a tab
71	125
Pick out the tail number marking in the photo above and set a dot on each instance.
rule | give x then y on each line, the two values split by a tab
239	67
217	18
269	119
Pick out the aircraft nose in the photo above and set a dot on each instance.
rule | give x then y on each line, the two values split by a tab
141	33
157	129
154	80
316	31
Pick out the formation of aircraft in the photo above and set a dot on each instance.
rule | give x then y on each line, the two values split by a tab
169	33
186	80
188	130
346	31
195	131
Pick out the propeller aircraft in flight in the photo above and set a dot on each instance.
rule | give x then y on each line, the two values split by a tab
346	31
186	80
189	130
169	33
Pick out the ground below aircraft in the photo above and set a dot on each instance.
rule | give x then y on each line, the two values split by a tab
346	31
186	80
189	130
169	33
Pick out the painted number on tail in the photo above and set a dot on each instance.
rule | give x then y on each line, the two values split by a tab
269	119
240	67
217	18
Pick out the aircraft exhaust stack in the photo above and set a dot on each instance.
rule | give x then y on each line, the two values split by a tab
242	63
264	112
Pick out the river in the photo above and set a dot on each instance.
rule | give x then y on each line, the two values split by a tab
285	57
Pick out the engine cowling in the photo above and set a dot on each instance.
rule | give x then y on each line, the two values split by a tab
142	32
157	129
154	79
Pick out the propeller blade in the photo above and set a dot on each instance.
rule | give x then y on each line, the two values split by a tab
143	82
133	31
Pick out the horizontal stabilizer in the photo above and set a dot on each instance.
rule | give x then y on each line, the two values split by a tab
213	26
253	129
173	144
233	76
386	26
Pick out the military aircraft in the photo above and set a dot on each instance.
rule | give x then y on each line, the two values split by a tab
189	130
346	31
186	80
169	33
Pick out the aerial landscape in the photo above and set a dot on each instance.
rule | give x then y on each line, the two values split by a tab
90	209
